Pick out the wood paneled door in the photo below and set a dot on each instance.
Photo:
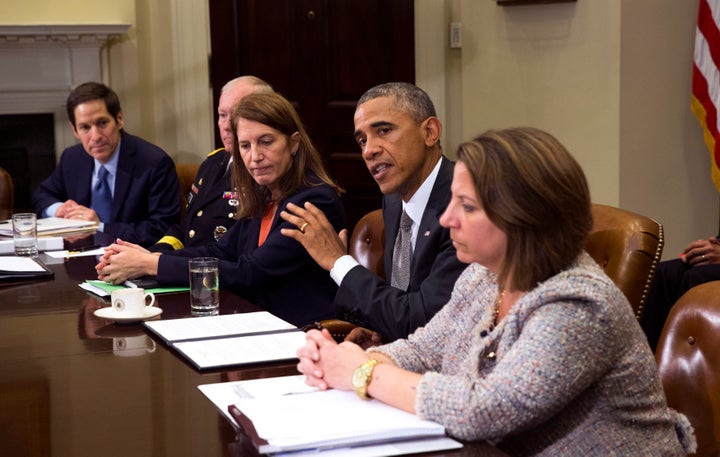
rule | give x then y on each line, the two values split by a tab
322	55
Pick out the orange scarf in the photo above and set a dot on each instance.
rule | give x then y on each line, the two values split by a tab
266	222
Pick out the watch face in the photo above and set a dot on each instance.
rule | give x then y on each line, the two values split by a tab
358	378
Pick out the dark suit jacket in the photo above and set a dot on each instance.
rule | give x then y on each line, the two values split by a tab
367	300
146	199
280	275
207	207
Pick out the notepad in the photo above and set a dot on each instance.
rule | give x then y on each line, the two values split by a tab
22	267
230	339
283	414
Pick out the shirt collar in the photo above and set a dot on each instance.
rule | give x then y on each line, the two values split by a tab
112	164
415	207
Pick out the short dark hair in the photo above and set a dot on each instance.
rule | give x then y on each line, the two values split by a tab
533	189
408	97
93	91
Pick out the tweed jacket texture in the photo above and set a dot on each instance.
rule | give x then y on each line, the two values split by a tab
566	372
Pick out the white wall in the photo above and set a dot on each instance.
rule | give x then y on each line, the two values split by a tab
610	79
664	163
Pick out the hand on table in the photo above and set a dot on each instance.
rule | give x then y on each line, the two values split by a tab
363	337
327	364
122	261
72	210
316	234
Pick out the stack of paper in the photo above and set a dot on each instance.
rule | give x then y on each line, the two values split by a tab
284	415
230	339
50	243
52	226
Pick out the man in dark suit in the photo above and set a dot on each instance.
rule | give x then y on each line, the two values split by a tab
399	134
138	179
211	203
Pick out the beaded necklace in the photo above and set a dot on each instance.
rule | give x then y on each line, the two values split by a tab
496	311
495	314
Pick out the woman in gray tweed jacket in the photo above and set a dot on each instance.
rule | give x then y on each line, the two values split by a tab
537	350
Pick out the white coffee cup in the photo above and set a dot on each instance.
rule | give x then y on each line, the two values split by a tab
133	346
131	302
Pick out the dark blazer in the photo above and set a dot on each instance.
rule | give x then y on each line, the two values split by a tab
367	300
146	196
208	208
280	275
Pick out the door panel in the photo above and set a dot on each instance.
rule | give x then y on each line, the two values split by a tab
322	55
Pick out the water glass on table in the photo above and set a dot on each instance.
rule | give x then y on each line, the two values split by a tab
204	286
25	234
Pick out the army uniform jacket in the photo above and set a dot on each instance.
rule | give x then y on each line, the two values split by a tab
210	210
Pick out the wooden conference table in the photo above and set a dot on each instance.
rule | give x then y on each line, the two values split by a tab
72	384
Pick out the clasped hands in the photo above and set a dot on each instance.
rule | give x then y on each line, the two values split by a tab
702	252
123	260
327	364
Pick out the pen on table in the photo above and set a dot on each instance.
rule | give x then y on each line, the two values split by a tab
83	249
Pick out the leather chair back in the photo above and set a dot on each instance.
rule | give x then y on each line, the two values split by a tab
367	243
186	175
628	246
367	246
7	195
688	361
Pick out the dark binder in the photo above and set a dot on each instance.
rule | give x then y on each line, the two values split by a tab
14	273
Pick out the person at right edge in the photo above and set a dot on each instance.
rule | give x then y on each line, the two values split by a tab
697	264
399	135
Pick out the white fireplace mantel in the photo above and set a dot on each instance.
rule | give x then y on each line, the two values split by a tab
99	33
42	63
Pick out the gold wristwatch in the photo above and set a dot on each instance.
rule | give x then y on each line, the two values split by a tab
361	378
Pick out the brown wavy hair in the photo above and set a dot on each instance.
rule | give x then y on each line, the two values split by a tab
533	189
306	169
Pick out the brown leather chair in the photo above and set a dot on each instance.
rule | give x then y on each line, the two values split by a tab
688	361
186	174
367	246
7	194
628	246
367	243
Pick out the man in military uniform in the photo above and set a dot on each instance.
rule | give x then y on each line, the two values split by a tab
211	203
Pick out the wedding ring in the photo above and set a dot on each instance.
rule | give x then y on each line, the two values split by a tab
302	227
703	257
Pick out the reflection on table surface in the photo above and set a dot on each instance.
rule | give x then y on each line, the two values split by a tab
75	384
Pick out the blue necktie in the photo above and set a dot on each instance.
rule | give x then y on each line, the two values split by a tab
101	196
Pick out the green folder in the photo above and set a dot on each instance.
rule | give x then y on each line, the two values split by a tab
107	287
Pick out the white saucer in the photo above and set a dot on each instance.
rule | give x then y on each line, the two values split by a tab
110	313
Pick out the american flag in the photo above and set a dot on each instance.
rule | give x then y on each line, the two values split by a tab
706	79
